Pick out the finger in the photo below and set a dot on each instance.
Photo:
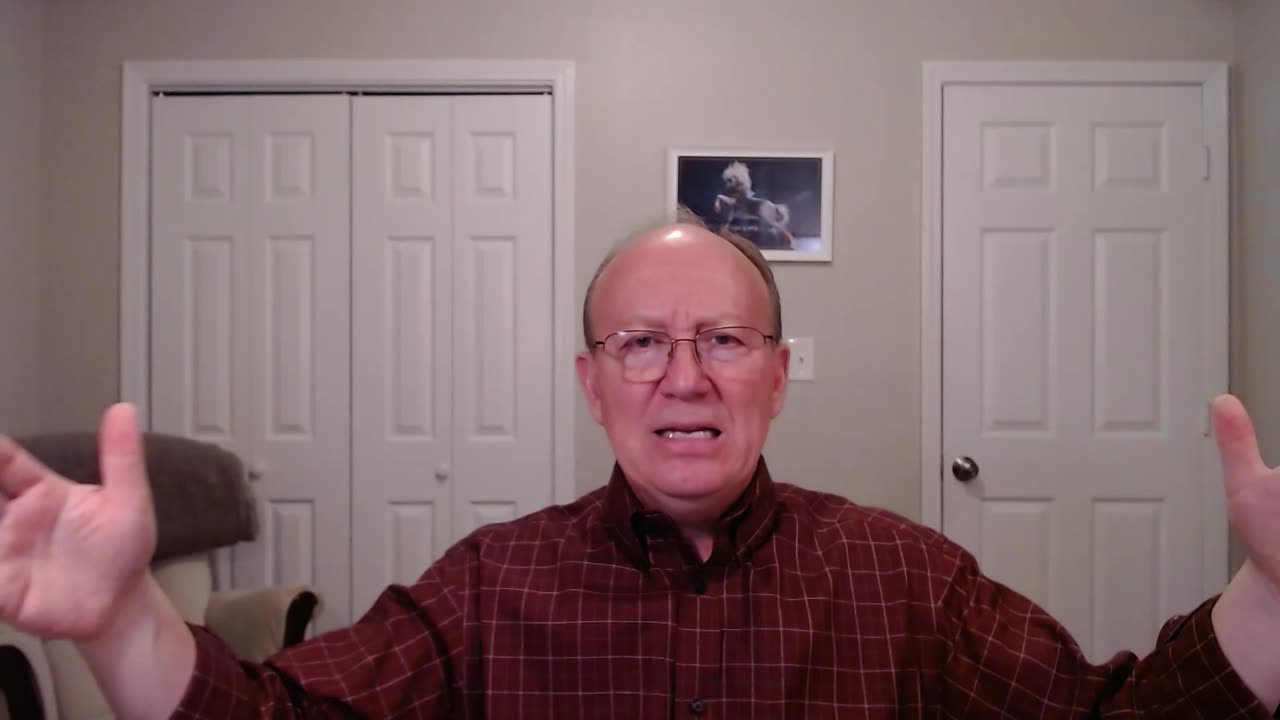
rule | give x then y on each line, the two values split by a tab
120	452
18	470
1237	444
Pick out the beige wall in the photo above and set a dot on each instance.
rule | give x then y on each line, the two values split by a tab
651	75
21	32
1256	242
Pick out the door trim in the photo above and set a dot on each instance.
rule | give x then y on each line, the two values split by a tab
1212	78
139	80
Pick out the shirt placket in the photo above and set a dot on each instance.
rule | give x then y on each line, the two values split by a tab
698	624
699	660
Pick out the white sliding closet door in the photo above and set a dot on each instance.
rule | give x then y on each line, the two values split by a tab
354	295
452	325
402	305
251	316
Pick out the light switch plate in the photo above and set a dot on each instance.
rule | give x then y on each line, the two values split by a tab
802	359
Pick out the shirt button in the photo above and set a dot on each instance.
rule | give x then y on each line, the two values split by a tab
697	707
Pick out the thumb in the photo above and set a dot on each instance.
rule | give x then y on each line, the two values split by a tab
120	456
1237	444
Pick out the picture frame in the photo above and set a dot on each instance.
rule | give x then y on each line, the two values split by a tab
781	200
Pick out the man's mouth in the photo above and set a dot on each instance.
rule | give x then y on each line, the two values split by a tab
688	433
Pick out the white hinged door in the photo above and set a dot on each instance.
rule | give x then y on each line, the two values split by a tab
1074	263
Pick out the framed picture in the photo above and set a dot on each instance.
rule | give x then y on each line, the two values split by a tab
781	201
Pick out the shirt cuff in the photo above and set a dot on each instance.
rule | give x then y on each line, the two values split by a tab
218	686
1189	665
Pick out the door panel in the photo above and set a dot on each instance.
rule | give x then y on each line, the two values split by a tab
251	316
402	400
201	224
1072	315
502	335
199	255
301	355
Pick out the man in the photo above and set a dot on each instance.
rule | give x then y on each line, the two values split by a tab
692	585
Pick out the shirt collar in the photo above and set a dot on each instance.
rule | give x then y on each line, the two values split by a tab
744	526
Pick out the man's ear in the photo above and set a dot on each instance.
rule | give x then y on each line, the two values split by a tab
585	364
778	388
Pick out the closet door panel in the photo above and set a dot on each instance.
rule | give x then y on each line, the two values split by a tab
502	338
299	356
250	318
402	274
200	234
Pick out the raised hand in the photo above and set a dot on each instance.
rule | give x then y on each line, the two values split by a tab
1253	488
71	554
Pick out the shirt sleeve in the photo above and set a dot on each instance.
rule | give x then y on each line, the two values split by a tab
398	658
1008	658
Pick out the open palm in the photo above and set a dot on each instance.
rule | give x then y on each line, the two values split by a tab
71	553
1253	488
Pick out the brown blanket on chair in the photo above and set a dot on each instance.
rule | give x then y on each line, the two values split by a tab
202	498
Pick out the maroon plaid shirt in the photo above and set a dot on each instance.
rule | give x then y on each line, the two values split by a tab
809	607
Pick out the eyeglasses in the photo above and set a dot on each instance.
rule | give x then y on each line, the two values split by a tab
645	354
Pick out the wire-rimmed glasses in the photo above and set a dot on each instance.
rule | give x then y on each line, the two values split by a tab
645	354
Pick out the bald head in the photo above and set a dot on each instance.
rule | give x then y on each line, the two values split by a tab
683	242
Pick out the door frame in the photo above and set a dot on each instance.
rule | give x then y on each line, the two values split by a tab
1212	78
140	79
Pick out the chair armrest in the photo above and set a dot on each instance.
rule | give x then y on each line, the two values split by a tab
26	682
256	624
18	686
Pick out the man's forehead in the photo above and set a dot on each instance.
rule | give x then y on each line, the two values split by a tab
689	283
683	275
675	244
643	267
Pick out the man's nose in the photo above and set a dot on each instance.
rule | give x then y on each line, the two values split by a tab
685	375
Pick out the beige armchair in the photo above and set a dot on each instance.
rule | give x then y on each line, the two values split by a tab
48	680
203	502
